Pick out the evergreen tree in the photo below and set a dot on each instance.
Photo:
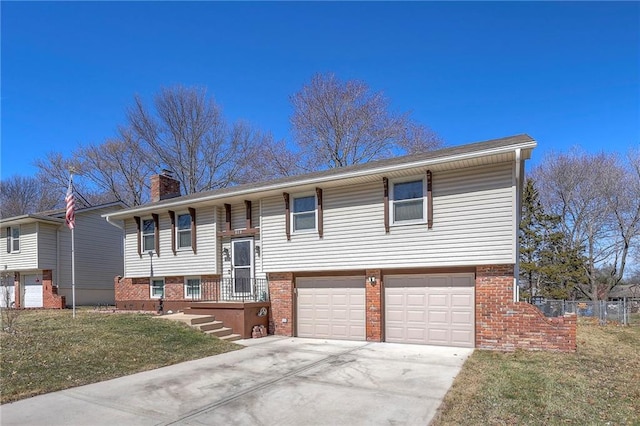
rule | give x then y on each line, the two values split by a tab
549	265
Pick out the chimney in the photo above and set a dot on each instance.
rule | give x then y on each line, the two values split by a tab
164	186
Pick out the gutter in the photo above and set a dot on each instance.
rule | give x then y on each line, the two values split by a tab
518	213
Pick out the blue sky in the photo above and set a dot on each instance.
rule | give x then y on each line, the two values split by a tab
566	73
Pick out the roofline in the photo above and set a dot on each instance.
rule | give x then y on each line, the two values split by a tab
34	218
54	215
179	201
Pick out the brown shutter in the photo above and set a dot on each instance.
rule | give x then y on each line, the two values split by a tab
320	215
227	217
287	215
156	232
429	200
192	213
8	240
385	183
172	218
247	208
139	231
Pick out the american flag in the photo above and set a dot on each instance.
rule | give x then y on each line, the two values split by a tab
71	205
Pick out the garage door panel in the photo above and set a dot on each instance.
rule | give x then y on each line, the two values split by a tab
438	300
441	311
415	299
438	317
415	316
336	309
461	318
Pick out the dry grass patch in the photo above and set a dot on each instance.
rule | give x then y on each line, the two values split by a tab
51	351
599	384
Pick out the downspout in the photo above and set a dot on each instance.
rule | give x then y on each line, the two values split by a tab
516	269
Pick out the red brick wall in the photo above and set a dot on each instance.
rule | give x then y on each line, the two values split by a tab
281	296
164	187
50	297
134	293
373	306
502	324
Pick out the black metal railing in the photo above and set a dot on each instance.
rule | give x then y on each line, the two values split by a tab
232	290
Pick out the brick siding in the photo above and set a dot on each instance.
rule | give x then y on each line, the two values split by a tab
50	297
502	324
373	306
281	296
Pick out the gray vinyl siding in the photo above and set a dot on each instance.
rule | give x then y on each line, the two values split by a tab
98	258
48	246
473	224
184	262
27	257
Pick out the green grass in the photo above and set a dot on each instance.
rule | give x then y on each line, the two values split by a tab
50	350
597	385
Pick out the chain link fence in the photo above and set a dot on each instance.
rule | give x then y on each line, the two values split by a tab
624	311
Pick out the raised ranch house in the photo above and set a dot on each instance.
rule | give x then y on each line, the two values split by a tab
35	258
416	249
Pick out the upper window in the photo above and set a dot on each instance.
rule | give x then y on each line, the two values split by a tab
13	239
184	231
148	235
408	202
157	288
304	213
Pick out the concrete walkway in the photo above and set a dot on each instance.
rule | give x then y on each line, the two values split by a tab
274	381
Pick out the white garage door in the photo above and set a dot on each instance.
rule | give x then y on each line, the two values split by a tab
32	291
331	308
7	295
430	309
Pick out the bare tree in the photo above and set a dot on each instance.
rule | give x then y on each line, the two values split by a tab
53	172
188	135
119	167
597	198
340	123
23	195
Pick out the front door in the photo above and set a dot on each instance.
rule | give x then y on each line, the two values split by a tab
242	265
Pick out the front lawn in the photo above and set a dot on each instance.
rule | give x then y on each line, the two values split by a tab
51	351
598	385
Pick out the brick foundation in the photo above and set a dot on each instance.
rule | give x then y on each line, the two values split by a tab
373	306
502	324
135	293
281	296
50	297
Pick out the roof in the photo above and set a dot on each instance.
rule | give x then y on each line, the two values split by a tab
494	147
54	216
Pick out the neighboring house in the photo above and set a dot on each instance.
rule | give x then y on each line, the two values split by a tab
413	249
35	258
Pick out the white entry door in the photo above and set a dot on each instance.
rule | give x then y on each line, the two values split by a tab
242	265
32	291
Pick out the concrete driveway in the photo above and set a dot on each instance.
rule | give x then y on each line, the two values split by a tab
274	381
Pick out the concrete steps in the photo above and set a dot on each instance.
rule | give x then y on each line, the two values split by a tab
204	323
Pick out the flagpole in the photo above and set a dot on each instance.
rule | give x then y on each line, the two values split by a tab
71	223
73	272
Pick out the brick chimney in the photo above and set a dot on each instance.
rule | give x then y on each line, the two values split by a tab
164	186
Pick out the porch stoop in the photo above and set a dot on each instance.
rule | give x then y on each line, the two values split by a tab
204	323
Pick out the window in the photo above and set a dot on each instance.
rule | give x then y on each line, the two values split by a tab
13	239
157	288
148	235
192	288
304	213
408	202
184	231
